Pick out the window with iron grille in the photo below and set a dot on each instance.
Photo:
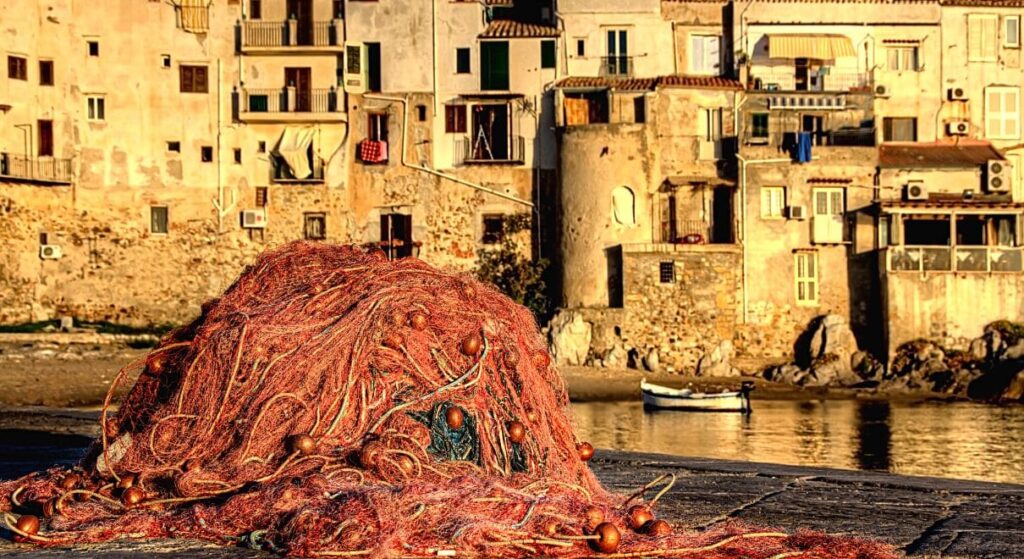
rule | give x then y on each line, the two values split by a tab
315	226
261	196
17	68
194	79
158	220
667	272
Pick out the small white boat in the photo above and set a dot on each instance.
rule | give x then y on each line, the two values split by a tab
662	397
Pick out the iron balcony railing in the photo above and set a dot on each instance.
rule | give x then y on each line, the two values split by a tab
480	151
289	100
617	66
290	33
685	231
902	258
48	169
784	78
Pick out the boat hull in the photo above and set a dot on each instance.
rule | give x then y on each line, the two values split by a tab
658	397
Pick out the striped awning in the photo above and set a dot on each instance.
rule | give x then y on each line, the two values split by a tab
818	47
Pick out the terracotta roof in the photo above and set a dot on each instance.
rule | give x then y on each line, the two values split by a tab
984	3
648	84
936	155
958	201
499	2
829	180
510	29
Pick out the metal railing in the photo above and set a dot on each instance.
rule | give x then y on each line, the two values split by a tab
687	231
473	151
289	100
280	34
49	169
283	173
784	79
901	258
617	66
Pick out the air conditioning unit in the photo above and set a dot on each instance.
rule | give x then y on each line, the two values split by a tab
355	68
997	176
254	219
956	94
916	190
881	90
797	212
958	128
50	252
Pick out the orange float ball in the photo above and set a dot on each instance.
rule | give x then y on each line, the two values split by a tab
132	496
418	320
592	517
541	360
608	538
511	359
28	523
639	516
369	456
454	417
69	482
516	431
406	464
53	507
126	481
303	444
391	340
657	528
586	451
532	416
471	344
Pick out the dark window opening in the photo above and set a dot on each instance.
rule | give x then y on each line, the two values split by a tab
238	155
339	9
45	138
207	154
165	60
586	108
722	216
17	68
255	9
462	61
494	229
971	231
315	226
261	147
373	77
639	109
899	129
421	113
396	235
158	219
455	119
666	272
490	138
377	127
494	65
193	79
547	54
581	47
94	48
44	238
45	72
261	196
759	125
926	232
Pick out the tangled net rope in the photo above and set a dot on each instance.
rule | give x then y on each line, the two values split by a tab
335	403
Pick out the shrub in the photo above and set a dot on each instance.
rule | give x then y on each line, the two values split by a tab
518	276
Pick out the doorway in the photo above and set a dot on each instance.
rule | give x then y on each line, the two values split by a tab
396	234
801	78
300	79
721	216
302	11
490	134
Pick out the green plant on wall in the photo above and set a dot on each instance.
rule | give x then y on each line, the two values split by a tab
514	273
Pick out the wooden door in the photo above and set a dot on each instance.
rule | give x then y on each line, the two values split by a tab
300	79
302	11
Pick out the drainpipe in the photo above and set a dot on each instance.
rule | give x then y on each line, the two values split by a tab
428	170
222	208
743	218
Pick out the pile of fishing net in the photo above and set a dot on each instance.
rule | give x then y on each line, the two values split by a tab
335	403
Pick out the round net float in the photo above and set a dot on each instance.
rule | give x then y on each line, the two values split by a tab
639	516
608	538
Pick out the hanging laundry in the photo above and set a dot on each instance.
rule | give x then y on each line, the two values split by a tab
803	147
373	151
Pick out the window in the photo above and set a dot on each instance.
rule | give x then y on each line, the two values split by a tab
238	156
1011	32
581	47
666	272
255	9
494	229
829	201
174	146
261	196
45	129
97	107
261	147
377	127
455	119
421	113
1002	113
462	61
494	65
206	153
373	76
982	37
165	60
618	62
806	266
759	125
193	79
547	54
94	48
899	129
902	59
17	68
314	226
339	9
705	54
396	234
773	202
45	72
158	219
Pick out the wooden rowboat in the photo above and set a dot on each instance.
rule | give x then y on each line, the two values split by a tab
662	397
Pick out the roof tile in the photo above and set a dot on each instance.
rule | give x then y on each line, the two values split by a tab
648	84
916	155
511	29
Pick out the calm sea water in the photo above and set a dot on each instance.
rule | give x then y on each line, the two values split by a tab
954	440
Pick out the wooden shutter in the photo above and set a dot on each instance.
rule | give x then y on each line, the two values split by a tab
200	79
45	138
185	74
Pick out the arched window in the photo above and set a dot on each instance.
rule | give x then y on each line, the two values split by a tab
624	206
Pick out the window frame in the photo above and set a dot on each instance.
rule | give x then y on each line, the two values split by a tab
48	74
206	154
17	67
377	131
754	126
980	54
1002	114
193	78
44	142
310	217
455	119
670	266
888	123
154	211
581	47
901	58
93	52
96	107
463	60
548	54
703	70
488	237
1005	35
811	281
769	195
255	9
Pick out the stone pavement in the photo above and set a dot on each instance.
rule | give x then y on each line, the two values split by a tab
925	517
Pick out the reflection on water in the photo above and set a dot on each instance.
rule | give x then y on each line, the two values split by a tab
956	440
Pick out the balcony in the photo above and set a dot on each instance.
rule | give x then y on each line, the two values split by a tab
288	104
786	79
616	66
493	151
46	170
290	36
967	259
282	173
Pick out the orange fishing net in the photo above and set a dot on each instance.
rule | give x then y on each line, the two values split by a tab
335	403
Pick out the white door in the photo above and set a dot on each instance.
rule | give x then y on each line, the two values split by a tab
829	207
709	132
